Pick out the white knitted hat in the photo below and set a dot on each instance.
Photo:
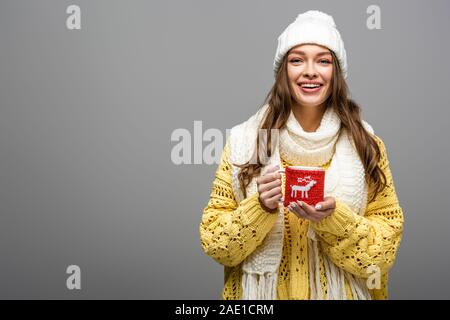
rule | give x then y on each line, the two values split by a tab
313	27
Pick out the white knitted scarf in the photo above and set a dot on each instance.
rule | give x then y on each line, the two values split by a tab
344	179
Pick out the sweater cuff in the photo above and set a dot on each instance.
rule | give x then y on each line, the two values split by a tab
254	215
339	223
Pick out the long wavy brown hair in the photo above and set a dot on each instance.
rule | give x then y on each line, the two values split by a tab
280	102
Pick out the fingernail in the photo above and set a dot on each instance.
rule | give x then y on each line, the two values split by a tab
318	206
300	203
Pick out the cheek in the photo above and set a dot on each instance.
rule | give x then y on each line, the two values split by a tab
328	75
292	74
292	78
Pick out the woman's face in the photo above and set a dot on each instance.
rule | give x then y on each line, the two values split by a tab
310	71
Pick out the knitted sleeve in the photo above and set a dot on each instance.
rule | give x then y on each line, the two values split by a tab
355	242
229	231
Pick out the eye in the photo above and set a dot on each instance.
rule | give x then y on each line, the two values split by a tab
325	61
294	60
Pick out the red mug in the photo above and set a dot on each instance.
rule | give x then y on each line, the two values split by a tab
305	184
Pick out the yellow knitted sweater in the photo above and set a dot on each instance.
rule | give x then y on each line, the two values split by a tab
230	231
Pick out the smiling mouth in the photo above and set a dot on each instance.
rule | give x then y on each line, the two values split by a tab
310	88
310	85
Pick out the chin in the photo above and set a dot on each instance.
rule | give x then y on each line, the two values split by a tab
310	103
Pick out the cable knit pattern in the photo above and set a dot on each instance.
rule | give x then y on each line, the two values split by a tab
310	148
230	232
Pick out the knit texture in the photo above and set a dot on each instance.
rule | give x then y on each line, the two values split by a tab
344	180
230	232
311	27
301	185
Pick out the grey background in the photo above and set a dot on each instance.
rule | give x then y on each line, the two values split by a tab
86	118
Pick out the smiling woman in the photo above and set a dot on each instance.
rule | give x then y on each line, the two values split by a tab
310	70
343	247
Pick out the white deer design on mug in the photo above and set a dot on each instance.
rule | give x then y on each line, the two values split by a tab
304	189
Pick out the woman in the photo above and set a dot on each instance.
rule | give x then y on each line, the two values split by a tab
343	247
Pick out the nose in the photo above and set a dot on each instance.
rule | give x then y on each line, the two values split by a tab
310	70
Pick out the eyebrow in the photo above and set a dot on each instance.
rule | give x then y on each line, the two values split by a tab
303	53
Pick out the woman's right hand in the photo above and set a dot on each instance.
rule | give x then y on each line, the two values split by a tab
269	188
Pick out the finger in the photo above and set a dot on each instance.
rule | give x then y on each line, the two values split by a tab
304	214
270	170
319	214
309	210
268	186
297	210
270	193
292	208
268	177
274	200
328	203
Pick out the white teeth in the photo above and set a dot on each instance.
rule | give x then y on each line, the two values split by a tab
307	85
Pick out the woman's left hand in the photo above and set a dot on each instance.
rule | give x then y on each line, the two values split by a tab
322	209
